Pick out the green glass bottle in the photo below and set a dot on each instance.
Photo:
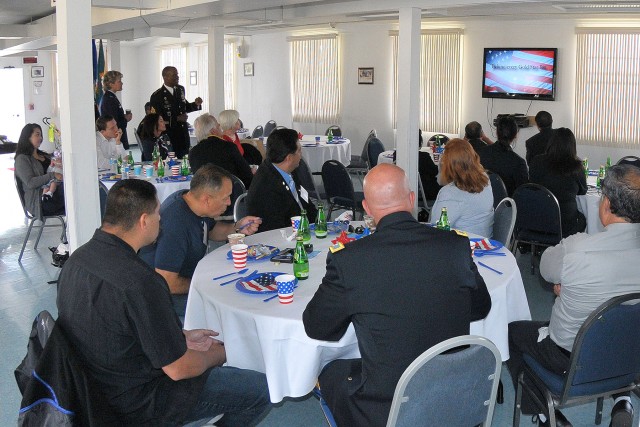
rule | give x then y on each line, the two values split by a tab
119	163
160	168
443	222
600	176
303	230
155	156
300	260
321	223
330	136
608	165
185	169
585	164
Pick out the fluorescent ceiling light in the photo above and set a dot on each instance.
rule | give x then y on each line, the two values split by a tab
617	6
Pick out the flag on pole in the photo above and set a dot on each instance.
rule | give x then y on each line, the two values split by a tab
101	72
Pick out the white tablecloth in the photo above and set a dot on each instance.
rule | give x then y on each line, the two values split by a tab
589	205
315	156
269	337
165	189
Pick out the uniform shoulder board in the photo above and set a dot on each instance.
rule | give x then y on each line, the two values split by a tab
337	247
158	90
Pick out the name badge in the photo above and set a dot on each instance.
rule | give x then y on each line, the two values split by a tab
304	194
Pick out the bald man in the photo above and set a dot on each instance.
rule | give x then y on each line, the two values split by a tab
405	288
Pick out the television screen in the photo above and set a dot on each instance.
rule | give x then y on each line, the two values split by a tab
528	73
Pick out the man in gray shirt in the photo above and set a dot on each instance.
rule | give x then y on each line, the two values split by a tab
586	270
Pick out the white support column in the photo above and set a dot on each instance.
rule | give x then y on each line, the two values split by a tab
73	19
408	93
216	70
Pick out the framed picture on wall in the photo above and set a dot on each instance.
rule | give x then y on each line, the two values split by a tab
193	78
365	76
248	68
37	71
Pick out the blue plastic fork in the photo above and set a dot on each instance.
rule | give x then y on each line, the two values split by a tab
241	278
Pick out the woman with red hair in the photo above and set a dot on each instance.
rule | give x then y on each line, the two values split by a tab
466	191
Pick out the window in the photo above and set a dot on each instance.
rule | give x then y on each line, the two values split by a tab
229	76
175	56
315	89
440	80
607	87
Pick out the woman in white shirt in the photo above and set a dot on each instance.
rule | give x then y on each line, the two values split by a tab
466	191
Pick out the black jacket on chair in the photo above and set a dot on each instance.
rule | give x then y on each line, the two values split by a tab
502	160
270	199
404	288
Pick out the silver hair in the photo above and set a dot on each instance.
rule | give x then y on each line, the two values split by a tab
228	119
203	125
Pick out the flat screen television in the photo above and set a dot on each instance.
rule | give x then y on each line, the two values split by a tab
520	73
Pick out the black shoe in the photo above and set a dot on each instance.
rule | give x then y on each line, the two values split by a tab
622	414
561	421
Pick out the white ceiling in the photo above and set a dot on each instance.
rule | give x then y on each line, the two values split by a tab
24	21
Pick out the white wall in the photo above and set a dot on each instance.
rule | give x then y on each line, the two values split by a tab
266	95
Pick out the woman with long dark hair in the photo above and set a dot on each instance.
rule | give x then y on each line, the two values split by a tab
467	193
152	135
43	191
561	171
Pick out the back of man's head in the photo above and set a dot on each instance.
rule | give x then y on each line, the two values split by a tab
203	124
127	200
386	190
208	178
544	119
280	144
101	123
622	187
473	130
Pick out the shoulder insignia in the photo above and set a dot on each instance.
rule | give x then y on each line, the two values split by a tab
153	110
337	247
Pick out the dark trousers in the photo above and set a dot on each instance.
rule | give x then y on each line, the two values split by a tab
55	204
523	338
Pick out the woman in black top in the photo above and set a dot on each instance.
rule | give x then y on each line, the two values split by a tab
152	135
561	171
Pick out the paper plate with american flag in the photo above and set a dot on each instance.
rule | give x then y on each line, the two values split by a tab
486	245
262	283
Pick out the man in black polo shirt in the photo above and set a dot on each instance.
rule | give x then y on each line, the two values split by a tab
117	313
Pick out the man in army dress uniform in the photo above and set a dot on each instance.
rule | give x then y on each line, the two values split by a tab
169	101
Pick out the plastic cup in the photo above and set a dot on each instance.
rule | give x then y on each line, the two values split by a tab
175	170
148	171
317	139
235	239
295	223
239	255
137	170
369	222
286	284
171	154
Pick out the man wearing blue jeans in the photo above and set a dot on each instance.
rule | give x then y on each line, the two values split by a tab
118	315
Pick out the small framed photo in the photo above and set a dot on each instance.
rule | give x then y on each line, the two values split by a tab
193	78
365	76
37	71
248	68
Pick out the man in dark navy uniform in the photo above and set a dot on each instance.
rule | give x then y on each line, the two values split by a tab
169	101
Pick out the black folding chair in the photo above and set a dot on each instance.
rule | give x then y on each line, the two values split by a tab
498	188
268	128
339	188
335	130
306	179
257	132
374	149
629	160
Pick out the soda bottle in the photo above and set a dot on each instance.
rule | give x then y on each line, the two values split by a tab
600	177
585	164
303	230
443	222
185	169
321	223
160	168
330	136
119	164
608	165
130	160
300	260
155	156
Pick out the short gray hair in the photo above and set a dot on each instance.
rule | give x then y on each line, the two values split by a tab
203	125
228	119
110	77
622	187
209	177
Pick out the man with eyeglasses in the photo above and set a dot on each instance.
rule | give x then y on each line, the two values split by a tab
186	226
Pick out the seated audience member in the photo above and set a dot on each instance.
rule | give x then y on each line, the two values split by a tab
428	172
211	148
474	134
152	135
276	194
587	270
467	191
117	314
436	292
108	143
187	225
501	159
147	110
42	191
561	171
539	142
229	124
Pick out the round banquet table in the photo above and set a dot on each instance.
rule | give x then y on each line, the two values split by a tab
589	205
164	188
387	156
316	154
269	337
